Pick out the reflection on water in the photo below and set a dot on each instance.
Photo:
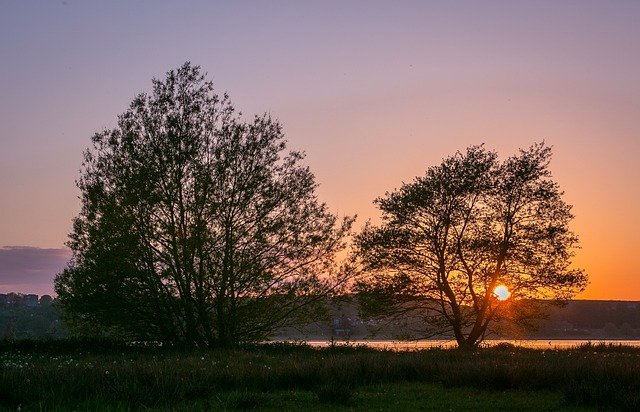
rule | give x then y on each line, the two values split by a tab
426	344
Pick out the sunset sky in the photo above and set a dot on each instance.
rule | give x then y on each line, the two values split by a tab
374	91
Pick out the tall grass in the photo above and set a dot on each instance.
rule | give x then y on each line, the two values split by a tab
63	375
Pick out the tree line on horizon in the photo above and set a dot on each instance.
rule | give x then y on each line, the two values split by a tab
198	227
23	317
582	319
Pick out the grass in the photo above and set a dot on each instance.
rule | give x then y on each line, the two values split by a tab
108	376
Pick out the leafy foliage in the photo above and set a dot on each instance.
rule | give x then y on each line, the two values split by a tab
196	226
468	225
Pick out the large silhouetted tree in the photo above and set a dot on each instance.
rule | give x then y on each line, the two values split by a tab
450	237
197	227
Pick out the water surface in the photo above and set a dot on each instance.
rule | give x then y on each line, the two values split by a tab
426	344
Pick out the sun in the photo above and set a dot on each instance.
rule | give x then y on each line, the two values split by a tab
501	292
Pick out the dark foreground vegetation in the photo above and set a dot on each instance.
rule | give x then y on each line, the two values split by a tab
89	375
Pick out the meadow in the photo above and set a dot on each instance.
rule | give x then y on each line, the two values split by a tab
82	375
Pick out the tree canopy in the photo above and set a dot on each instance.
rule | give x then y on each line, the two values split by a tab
469	225
196	226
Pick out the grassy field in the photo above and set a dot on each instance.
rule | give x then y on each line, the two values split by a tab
106	376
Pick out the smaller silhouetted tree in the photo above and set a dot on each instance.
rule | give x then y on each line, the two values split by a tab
46	300
450	237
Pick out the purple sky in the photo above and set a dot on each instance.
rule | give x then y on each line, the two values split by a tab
374	91
28	269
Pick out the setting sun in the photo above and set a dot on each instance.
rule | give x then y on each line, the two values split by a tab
501	292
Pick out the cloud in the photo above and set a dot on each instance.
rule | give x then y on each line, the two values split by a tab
25	269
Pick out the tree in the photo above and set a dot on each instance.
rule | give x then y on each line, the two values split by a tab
197	227
449	238
46	300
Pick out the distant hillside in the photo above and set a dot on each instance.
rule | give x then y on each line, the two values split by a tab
579	319
585	319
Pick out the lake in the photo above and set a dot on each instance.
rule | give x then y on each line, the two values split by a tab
426	344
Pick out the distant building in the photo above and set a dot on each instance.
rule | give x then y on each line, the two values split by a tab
30	300
342	326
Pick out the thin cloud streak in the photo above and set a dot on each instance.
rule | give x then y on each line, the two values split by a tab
26	269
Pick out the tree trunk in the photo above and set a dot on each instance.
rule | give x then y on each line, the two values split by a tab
467	344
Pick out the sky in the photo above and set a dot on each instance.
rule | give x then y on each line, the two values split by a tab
375	92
